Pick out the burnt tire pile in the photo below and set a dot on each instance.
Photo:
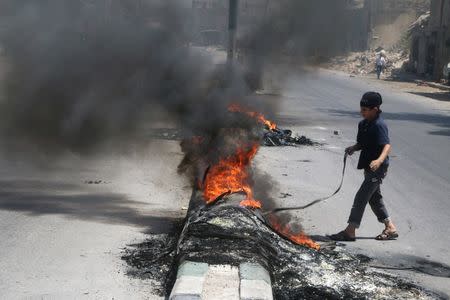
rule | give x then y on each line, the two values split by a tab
225	233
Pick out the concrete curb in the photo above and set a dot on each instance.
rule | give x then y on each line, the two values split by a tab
210	282
190	280
222	282
255	282
433	84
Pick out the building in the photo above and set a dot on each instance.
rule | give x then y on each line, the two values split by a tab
210	17
362	24
430	46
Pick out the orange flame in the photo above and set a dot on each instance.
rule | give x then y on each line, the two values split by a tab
299	238
230	175
256	115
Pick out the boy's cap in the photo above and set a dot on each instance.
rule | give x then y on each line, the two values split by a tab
371	99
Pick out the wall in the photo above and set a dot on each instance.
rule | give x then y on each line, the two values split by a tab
440	31
390	19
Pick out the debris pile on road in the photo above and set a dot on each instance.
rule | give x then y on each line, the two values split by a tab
272	135
226	233
283	137
363	63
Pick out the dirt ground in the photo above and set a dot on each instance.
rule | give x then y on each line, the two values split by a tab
406	85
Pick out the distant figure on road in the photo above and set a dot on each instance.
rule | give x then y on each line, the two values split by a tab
380	64
374	144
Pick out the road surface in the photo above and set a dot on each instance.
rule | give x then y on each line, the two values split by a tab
62	238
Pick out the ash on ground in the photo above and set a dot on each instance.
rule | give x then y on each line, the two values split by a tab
225	233
153	260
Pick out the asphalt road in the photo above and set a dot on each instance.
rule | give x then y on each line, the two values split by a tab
61	237
416	191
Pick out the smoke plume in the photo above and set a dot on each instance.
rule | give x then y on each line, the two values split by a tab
79	76
82	73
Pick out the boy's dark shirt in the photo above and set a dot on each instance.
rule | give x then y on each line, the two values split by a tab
372	137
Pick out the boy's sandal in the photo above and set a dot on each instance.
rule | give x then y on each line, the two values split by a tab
342	237
387	235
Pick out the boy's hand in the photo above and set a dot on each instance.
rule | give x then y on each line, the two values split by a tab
375	165
350	150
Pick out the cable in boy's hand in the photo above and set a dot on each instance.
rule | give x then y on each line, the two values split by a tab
350	150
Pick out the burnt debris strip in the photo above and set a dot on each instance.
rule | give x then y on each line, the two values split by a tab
271	137
227	233
271	133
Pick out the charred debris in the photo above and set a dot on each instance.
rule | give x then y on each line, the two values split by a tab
227	233
284	137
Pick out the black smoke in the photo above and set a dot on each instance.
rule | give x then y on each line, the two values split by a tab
302	29
83	73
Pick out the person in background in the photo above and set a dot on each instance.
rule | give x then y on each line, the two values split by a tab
380	64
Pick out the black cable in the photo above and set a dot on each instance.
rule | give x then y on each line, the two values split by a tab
277	210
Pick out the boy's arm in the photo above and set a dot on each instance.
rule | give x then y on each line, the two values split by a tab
352	149
374	165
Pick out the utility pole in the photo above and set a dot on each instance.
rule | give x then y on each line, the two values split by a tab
370	12
266	9
232	27
440	44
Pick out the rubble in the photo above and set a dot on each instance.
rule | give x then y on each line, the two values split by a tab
363	63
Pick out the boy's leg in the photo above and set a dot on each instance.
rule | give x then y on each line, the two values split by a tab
368	188
378	207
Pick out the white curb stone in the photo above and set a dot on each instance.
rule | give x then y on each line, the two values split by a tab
255	282
222	282
200	281
190	280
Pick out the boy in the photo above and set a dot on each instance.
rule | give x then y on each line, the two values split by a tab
373	142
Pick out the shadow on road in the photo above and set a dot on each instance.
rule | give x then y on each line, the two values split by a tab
39	197
441	96
416	264
433	119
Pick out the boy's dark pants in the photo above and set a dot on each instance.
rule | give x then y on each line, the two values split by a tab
369	192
